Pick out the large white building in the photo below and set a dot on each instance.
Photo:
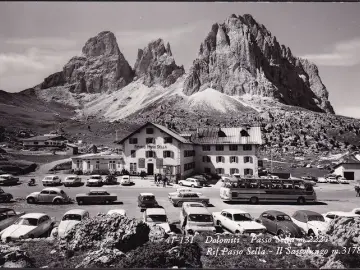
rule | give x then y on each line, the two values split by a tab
157	149
98	163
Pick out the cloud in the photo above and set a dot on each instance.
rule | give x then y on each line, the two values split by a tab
345	53
141	37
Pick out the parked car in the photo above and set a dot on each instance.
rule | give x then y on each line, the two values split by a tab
182	197
190	182
120	212
72	181
69	220
125	180
8	216
343	180
110	180
329	216
4	196
309	178
311	222
332	179
157	216
280	224
237	221
203	180
196	220
30	225
48	195
96	197
179	190
147	200
8	179
94	181
193	204
323	180
51	180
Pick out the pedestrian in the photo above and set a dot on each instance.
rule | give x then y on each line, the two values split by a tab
159	179
155	177
164	181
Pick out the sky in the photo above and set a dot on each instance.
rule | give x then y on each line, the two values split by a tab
39	38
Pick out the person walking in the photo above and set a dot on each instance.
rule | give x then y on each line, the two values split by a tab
164	181
155	178
159	179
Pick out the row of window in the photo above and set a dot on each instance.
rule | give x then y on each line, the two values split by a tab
50	143
149	140
189	153
189	166
232	171
233	159
232	147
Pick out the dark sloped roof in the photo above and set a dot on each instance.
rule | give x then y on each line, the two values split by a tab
349	159
45	138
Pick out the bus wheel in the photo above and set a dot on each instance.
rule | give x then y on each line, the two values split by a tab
254	200
301	200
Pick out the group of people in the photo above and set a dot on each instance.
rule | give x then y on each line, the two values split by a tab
161	179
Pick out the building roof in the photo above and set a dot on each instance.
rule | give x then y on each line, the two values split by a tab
173	134
238	135
349	159
75	212
33	215
155	211
98	156
44	138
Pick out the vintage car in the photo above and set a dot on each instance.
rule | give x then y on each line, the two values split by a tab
311	222
8	179
280	224
96	197
309	178
330	216
332	178
68	221
110	180
182	197
343	180
51	180
237	221
48	195
8	217
126	180
179	190
192	204
147	200
121	212
30	225
196	220
190	182
323	180
203	180
95	181
72	181
157	216
4	196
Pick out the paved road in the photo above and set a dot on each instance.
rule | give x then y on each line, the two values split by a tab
332	197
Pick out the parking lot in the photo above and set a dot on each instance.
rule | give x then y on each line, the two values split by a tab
331	197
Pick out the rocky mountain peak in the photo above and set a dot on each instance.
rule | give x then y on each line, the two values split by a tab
102	44
156	64
240	56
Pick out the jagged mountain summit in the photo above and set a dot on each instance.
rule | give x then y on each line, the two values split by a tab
240	56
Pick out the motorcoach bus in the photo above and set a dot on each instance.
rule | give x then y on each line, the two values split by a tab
255	190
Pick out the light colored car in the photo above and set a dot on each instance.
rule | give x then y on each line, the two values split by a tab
311	222
182	197
190	182
193	204
237	221
121	212
95	181
72	180
196	220
329	216
179	190
8	179
125	180
343	180
30	225
157	216
48	195
322	180
68	221
51	180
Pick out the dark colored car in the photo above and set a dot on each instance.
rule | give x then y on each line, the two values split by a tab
147	200
281	224
4	196
110	180
202	179
96	197
8	217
